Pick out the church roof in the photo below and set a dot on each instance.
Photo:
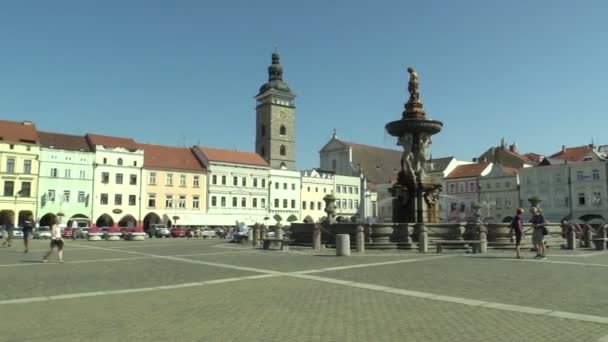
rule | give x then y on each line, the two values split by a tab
381	165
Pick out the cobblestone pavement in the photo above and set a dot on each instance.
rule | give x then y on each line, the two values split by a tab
208	290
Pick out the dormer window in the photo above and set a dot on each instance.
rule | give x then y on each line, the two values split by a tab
282	130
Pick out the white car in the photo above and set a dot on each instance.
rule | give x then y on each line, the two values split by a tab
17	233
43	232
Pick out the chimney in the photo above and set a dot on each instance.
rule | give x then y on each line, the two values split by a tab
474	160
563	148
27	123
513	148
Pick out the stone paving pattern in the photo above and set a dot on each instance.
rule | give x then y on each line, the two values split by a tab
283	308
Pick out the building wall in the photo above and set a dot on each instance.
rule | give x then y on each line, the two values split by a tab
550	183
221	194
589	189
285	194
461	194
337	157
348	195
169	193
65	183
315	186
107	162
498	196
18	154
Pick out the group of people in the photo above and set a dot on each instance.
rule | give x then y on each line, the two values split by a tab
539	226
28	230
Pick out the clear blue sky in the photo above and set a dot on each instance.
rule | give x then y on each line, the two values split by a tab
185	72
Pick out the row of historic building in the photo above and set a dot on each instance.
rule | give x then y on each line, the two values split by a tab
117	181
569	184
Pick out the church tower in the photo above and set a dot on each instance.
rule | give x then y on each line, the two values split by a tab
275	137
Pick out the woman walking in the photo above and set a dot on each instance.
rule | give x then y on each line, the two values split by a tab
517	229
56	241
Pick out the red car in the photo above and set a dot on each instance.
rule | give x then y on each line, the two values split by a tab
178	232
67	233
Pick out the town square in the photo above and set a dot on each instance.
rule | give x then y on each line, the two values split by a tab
353	180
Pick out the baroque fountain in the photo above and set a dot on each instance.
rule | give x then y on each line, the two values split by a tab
415	197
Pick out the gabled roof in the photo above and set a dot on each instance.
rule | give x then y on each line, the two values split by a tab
64	141
507	157
169	157
573	153
111	142
232	156
13	131
468	170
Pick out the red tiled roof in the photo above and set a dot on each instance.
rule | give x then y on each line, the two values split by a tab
64	141
168	157
108	141
13	131
468	170
521	157
573	153
232	156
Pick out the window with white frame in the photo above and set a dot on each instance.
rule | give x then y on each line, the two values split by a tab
255	202
214	179
119	178
168	201
133	179
132	199
596	174
284	203
263	201
293	204
195	181
234	202
181	202
169	179
51	195
27	166
152	178
213	201
66	196
151	200
117	199
81	197
581	198
471	186
83	174
276	203
103	199
243	201
235	180
182	180
10	166
244	181
462	187
452	188
54	172
597	198
580	175
196	202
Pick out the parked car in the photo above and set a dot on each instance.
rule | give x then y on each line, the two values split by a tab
43	232
158	230
66	233
17	233
178	232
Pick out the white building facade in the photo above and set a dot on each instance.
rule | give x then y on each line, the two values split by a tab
499	194
315	185
237	187
116	181
284	188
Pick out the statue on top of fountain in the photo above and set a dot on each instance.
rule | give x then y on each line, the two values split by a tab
413	85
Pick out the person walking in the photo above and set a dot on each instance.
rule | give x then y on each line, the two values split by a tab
56	241
8	231
28	230
517	230
538	235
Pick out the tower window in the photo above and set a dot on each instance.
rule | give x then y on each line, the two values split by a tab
263	130
282	130
263	151
282	151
